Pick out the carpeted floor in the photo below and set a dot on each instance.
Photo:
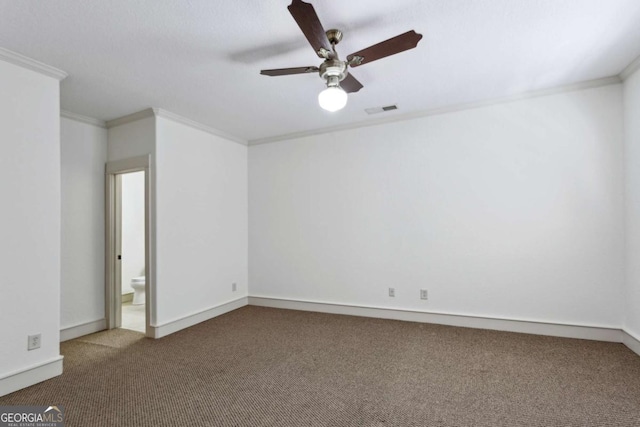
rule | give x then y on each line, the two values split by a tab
268	367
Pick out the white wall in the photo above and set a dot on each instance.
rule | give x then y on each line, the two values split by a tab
83	155
29	220
133	139
509	211
133	253
632	168
201	220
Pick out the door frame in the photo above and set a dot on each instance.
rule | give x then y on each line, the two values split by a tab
113	285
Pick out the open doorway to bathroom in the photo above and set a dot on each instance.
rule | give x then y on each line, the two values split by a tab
131	254
127	255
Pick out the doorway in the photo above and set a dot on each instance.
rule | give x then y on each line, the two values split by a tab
128	282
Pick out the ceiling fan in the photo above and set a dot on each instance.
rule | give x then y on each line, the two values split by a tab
333	70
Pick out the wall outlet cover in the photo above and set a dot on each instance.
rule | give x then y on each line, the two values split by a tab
33	341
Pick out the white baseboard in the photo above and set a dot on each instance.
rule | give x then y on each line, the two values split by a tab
31	375
631	341
83	329
527	327
159	331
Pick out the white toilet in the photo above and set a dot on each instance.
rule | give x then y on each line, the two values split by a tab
139	285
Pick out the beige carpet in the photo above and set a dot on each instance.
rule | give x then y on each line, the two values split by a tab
267	367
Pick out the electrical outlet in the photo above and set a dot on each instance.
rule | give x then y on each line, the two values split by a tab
392	292
33	342
234	287
424	294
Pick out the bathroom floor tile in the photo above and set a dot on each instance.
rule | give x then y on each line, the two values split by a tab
133	317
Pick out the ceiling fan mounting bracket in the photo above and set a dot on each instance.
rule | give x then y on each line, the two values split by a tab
324	53
334	36
356	60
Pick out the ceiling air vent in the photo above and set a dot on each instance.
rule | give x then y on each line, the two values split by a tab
381	109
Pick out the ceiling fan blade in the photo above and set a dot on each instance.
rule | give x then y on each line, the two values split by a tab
307	19
350	84
289	71
394	45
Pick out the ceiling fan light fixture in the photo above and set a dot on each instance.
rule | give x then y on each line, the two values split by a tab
333	98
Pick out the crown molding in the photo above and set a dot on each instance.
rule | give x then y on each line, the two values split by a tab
443	110
630	69
130	118
31	64
83	119
159	112
196	125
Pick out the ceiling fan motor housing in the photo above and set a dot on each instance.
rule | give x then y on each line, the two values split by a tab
333	71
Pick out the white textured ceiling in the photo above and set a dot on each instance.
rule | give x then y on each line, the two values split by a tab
201	58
